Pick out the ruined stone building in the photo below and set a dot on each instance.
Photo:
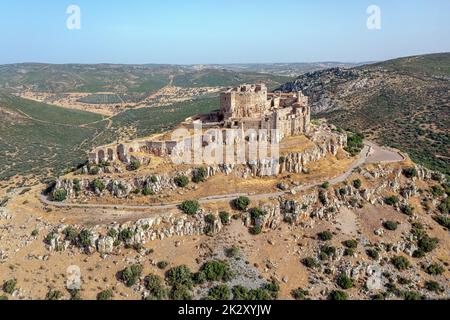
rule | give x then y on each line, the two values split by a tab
246	108
252	107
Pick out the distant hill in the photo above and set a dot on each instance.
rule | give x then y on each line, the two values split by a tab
404	103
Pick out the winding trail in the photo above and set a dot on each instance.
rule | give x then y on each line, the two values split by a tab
371	153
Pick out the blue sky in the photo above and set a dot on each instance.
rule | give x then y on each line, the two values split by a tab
220	31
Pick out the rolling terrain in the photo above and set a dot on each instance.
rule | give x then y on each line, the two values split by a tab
403	103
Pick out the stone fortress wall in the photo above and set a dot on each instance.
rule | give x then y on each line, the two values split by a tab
247	107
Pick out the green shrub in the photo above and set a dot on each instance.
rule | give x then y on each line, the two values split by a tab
325	185
76	185
390	225
241	203
349	252
309	262
85	238
259	295
437	191
9	286
98	185
411	295
232	252
154	284
338	295
256	230
410	173
53	295
224	217
391	201
443	221
357	183
400	262
180	292
434	269
162	265
35	233
407	209
180	275
131	274
181	181
427	244
105	295
355	143
257	213
351	244
217	271
220	292
372	253
60	195
70	234
135	165
323	197
126	234
344	281
273	288
112	233
199	175
3	298
444	207
299	294
328	250
147	191
240	293
190	207
325	236
433	286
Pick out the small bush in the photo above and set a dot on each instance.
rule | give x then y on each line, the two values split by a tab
224	217
220	292
357	183
130	275
256	230
70	234
390	225
105	295
98	185
299	294
257	213
407	209
126	234
309	262
400	262
190	207
135	165
162	265
349	252
391	201
53	295
338	295
434	269
411	295
325	236
443	221
351	244
180	293
232	252
35	233
344	281
154	284
372	253
444	207
60	195
329	251
180	275
85	238
427	244
148	191
325	185
241	203
217	271
181	181
9	286
433	286
199	175
410	173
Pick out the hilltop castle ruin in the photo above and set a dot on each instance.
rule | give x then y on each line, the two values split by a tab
246	108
